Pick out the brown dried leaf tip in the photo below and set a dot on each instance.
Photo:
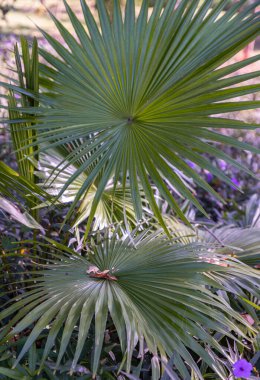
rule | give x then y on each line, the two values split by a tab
93	271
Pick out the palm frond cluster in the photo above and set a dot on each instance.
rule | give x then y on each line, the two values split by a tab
154	289
111	125
140	93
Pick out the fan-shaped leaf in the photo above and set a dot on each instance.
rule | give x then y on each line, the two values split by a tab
142	91
153	289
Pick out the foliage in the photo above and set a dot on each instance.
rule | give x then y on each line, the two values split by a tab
242	243
114	206
141	93
119	125
25	190
154	289
10	180
22	134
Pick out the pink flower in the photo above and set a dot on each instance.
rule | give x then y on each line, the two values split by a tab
242	368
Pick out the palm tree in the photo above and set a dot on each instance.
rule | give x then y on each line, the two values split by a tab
120	111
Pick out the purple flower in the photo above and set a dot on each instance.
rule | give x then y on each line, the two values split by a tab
222	165
191	164
242	368
235	182
209	176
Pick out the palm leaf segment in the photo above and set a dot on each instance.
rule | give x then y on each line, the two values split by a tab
113	207
11	181
141	92
152	289
243	243
17	189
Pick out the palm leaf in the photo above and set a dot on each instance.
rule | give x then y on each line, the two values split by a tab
152	288
21	133
22	217
243	243
114	206
251	213
16	189
14	374
142	92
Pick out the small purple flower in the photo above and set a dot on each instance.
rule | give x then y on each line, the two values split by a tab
222	165
242	368
209	176
235	182
191	164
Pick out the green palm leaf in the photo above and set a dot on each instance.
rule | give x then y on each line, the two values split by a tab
22	134
115	206
251	213
14	374
18	188
22	217
142	92
152	289
28	74
14	188
243	243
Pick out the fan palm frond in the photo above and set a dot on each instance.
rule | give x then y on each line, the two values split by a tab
243	243
22	135
115	206
142	92
251	217
153	289
22	217
14	374
16	189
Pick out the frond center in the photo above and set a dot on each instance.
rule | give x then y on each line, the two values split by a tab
94	272
130	120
